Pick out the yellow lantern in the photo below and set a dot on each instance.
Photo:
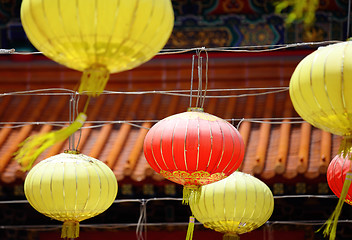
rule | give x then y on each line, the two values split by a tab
320	90
237	204
70	187
98	37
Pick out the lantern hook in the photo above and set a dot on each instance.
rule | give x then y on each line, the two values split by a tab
201	94
73	112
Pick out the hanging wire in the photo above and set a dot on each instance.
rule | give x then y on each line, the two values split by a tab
177	92
206	77
80	130
253	49
199	68
239	123
192	75
41	92
71	112
170	92
141	225
98	124
146	201
201	94
114	226
141	230
7	51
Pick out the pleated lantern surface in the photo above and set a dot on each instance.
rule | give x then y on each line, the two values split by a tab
235	205
70	188
320	90
193	148
336	175
98	37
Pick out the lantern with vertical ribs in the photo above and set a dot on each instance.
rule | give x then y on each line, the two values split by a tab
320	90
235	205
337	172
98	37
70	188
193	148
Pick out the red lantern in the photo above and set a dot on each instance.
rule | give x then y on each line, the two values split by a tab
336	175
193	148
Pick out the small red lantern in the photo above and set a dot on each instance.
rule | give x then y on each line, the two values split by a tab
193	148
338	168
339	177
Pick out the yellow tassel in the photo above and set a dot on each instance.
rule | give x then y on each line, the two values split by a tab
70	230
94	80
345	146
190	229
330	225
189	191
230	236
299	10
34	145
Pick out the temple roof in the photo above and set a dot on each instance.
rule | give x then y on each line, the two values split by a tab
250	90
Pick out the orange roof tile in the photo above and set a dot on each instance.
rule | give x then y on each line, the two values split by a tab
273	151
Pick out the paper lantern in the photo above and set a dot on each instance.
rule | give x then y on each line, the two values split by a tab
70	188
98	37
235	205
338	169
193	148
320	92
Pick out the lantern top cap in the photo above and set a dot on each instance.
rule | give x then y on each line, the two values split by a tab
195	109
72	151
69	156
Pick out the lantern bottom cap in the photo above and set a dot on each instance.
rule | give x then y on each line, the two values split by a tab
94	79
188	190
231	236
70	229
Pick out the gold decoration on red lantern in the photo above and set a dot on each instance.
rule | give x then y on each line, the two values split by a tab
194	148
192	179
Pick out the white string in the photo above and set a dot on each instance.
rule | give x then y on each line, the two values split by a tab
108	226
142	221
117	201
56	92
142	224
99	124
254	49
7	51
239	123
258	48
174	92
40	92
